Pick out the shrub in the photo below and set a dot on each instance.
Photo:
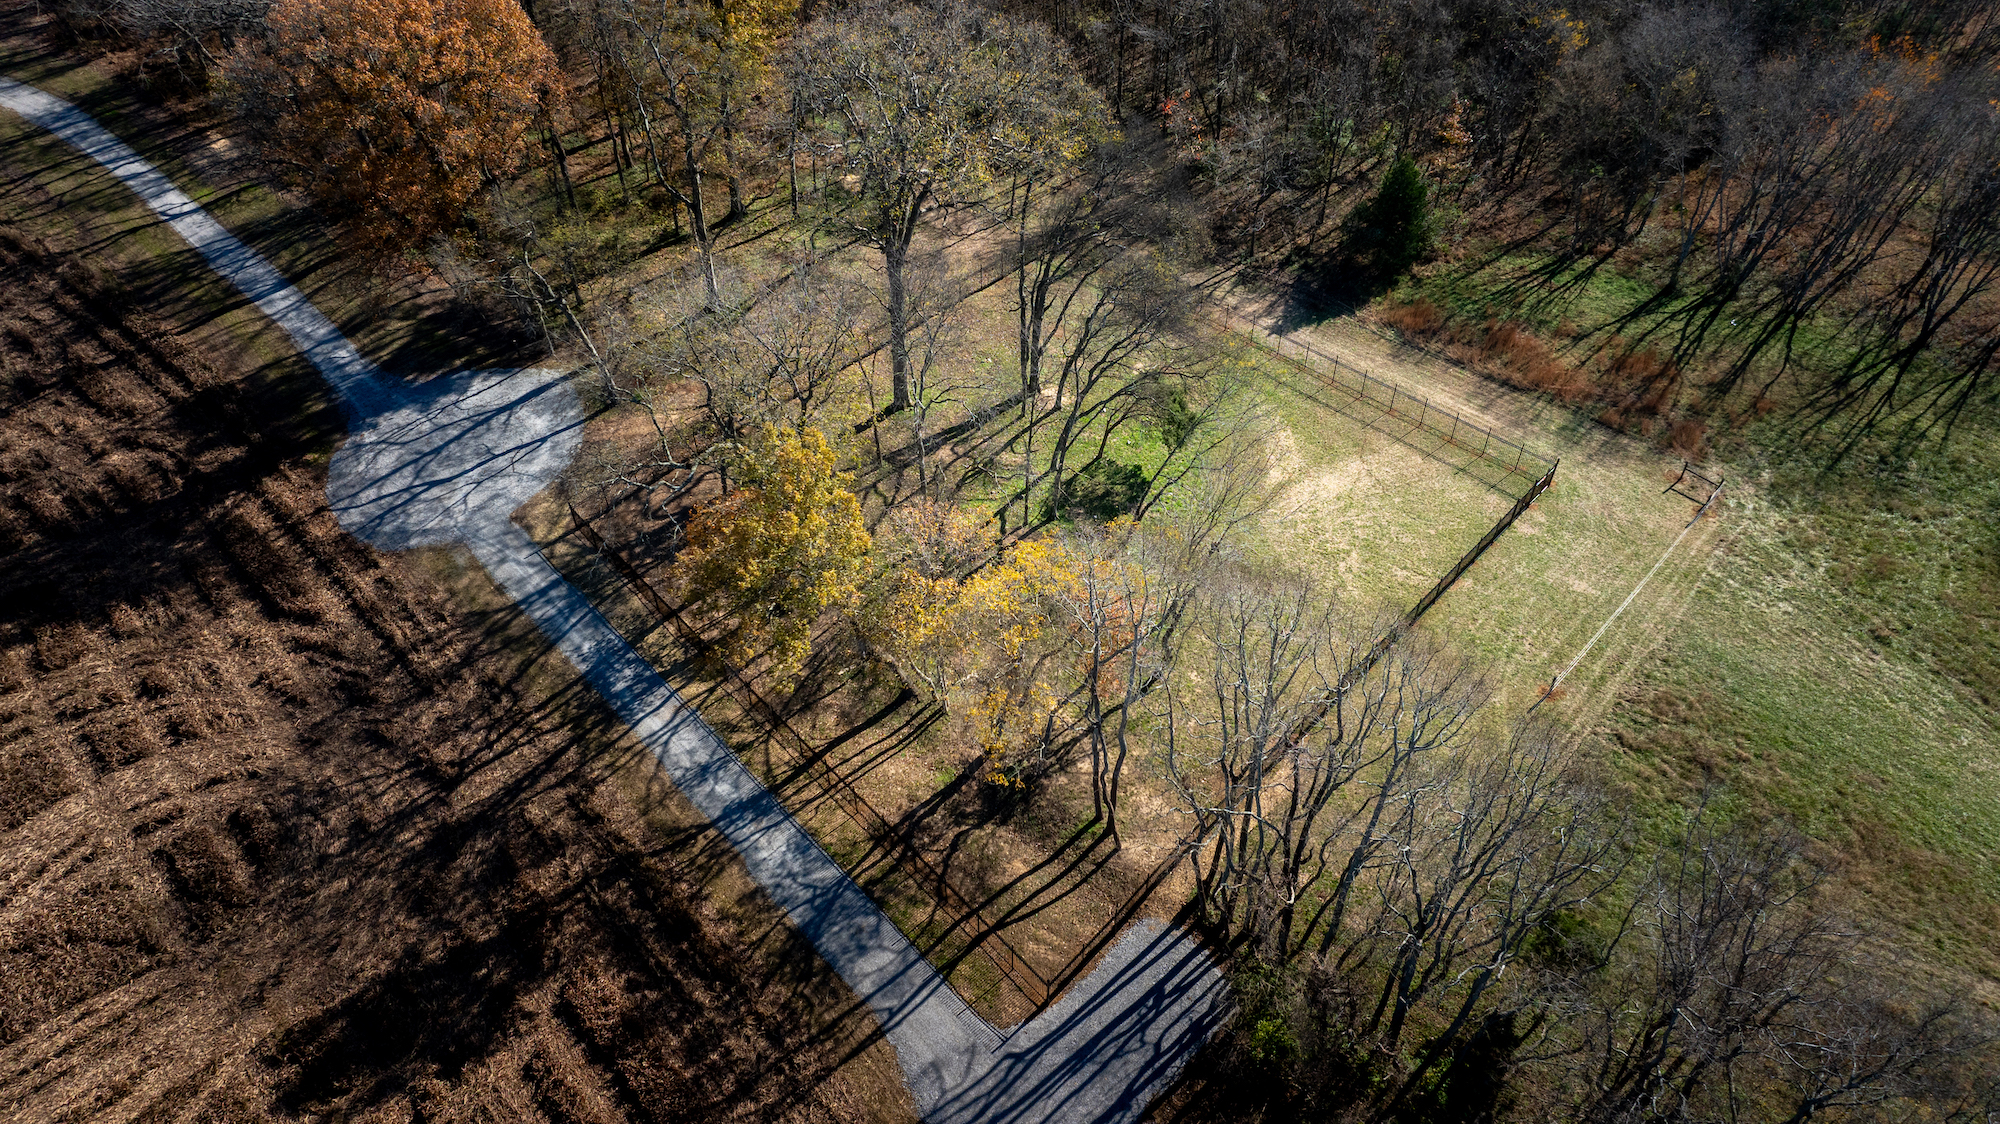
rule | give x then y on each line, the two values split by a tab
1418	318
1103	490
1689	439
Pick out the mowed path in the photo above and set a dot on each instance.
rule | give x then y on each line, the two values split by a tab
449	461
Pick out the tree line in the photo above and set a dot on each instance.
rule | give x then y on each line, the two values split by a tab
1817	181
1432	912
1813	169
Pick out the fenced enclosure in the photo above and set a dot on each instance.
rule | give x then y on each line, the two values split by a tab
1466	560
1499	462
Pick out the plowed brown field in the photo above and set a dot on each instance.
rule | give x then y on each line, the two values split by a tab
284	833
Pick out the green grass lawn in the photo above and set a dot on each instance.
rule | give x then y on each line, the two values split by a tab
1835	667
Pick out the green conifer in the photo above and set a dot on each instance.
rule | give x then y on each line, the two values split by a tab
1392	230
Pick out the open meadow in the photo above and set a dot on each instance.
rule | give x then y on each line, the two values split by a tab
1764	661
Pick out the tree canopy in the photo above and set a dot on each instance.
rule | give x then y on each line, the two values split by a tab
924	108
391	113
777	552
1391	231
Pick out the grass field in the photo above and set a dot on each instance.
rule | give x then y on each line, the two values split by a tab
1385	521
1817	650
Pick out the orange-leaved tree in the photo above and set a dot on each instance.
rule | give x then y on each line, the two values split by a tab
779	551
392	113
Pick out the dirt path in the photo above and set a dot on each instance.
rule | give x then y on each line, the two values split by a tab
451	462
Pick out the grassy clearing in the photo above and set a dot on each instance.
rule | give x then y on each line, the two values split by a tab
1533	601
1372	517
1596	311
1824	649
1836	668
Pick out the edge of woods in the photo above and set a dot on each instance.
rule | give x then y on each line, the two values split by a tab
1354	805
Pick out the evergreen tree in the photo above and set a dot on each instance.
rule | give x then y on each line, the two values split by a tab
1392	230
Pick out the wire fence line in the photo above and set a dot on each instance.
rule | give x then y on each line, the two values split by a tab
1409	417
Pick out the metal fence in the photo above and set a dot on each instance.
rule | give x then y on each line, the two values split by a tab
1445	434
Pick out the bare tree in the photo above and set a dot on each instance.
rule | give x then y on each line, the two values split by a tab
1299	765
707	381
922	109
1122	342
1734	952
1503	842
1927	309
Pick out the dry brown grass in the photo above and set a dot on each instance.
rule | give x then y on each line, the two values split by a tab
1636	389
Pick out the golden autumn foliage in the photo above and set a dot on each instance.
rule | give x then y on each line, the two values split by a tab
391	113
1016	646
779	551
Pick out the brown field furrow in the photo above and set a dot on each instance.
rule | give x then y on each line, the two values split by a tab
80	1040
284	834
56	855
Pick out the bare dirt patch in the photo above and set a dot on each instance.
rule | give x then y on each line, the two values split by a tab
283	832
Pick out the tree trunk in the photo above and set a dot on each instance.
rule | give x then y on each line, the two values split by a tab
894	258
735	181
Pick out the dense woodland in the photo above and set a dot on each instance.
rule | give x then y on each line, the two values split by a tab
1432	912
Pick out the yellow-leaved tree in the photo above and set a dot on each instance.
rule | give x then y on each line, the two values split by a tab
993	647
391	113
780	550
925	550
1048	652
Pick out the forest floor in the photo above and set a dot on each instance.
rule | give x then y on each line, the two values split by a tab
288	826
